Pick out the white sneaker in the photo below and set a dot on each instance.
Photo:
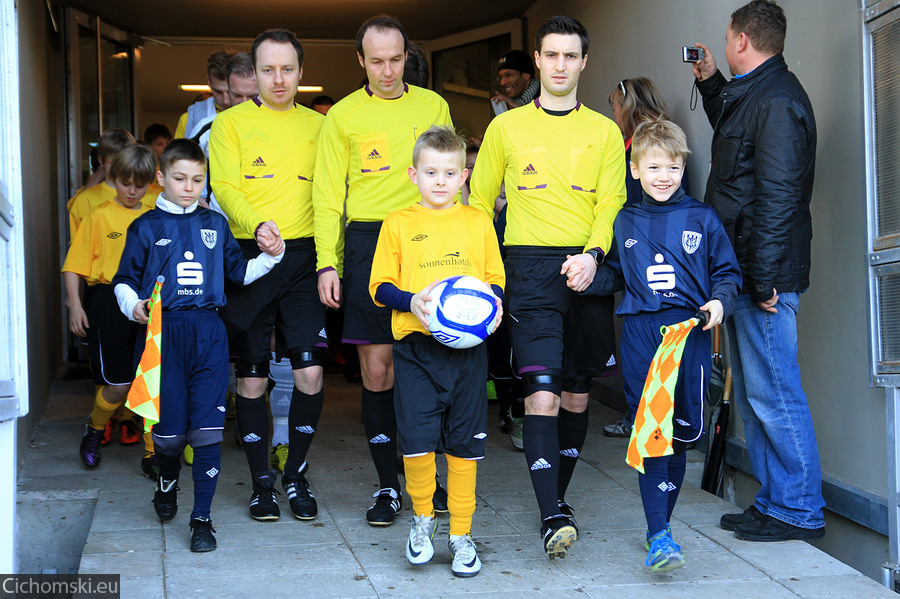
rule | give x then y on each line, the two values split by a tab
419	549
465	560
516	428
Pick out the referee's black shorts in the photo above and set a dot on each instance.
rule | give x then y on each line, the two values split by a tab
286	299
553	328
364	322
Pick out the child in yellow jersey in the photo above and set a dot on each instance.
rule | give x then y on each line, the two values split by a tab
439	392
94	256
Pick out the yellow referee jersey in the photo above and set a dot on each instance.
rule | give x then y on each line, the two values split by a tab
418	246
261	164
565	176
364	151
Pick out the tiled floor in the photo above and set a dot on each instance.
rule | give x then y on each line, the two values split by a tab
340	555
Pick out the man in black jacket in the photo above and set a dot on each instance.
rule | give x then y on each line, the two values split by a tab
760	182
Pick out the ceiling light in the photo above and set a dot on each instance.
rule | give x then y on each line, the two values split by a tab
205	88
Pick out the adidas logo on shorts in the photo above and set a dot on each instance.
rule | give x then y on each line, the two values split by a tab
541	464
251	438
666	487
569	453
380	439
322	334
306	429
611	361
212	472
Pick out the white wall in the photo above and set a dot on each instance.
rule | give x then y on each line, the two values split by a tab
644	37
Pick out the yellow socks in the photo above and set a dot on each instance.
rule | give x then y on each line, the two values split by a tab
103	410
419	472
461	476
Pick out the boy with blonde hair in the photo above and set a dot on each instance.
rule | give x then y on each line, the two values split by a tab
440	393
673	257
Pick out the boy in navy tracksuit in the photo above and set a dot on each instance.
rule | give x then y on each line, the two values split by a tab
194	250
673	257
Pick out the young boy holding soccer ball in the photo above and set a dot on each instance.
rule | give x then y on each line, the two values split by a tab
439	392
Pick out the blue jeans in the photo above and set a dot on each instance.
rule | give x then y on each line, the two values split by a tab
777	422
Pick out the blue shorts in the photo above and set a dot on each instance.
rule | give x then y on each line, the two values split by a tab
640	339
194	376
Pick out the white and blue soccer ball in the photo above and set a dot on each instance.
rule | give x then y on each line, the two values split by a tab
462	312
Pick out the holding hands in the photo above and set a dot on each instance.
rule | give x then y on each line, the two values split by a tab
268	238
579	270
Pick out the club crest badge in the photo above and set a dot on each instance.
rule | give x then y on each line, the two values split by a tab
690	241
209	237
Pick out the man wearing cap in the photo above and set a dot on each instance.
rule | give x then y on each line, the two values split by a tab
515	73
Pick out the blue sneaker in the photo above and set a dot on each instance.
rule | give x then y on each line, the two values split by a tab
665	554
647	542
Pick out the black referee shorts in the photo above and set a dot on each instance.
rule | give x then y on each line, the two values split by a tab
364	322
286	299
553	328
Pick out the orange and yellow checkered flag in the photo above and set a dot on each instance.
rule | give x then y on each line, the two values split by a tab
143	397
651	436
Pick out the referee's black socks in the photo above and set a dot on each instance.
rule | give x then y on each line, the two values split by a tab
252	417
380	422
542	452
303	419
572	429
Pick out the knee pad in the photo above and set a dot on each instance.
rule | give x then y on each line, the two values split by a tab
248	370
577	384
204	437
542	380
304	358
171	445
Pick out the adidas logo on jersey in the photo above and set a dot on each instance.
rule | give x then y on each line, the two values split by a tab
480	435
541	464
630	243
373	155
163	242
529	170
305	429
258	162
212	472
419	237
380	439
611	361
569	453
665	487
251	438
114	235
